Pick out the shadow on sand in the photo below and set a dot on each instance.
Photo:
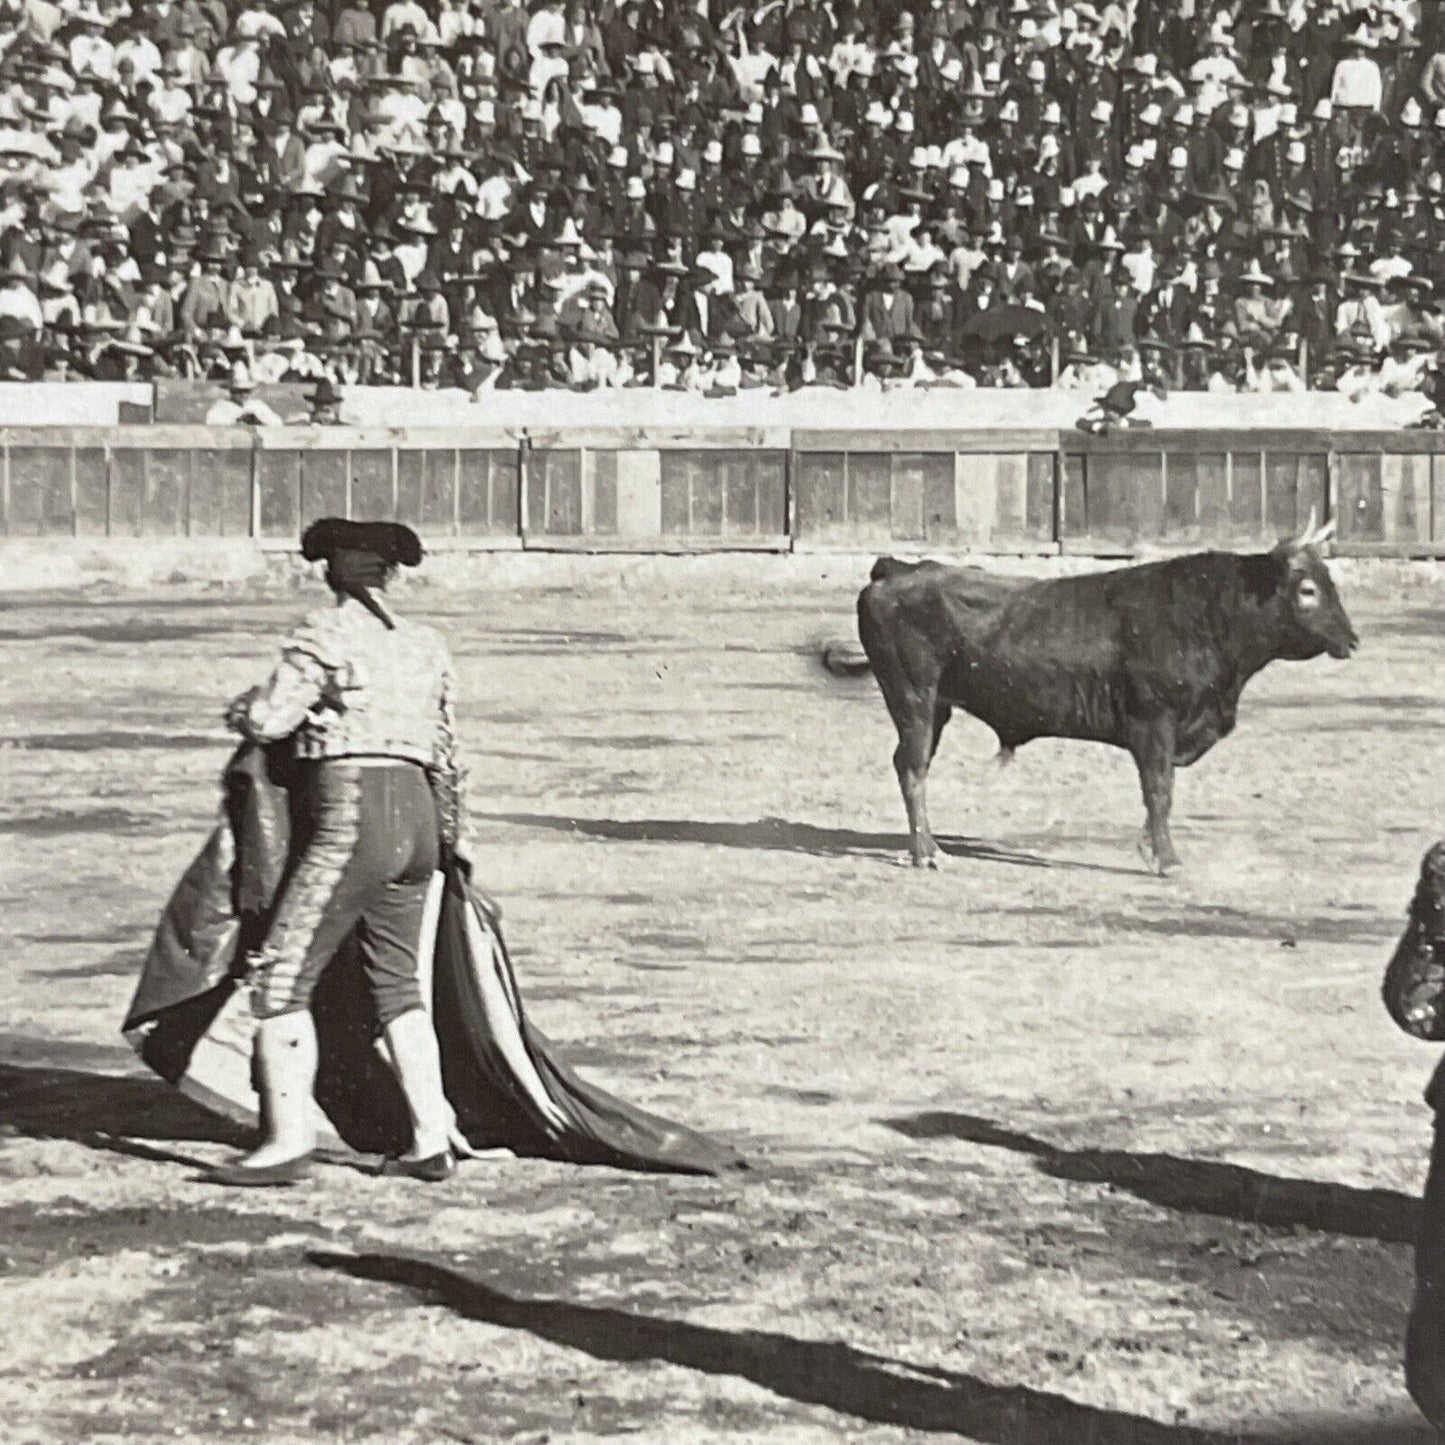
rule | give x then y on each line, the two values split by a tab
827	1373
105	1110
783	836
1195	1186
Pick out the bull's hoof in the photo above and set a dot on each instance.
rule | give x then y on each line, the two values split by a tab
1161	863
932	860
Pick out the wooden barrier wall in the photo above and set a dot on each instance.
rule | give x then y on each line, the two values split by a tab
735	489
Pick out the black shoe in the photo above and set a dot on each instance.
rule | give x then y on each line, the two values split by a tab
433	1169
269	1176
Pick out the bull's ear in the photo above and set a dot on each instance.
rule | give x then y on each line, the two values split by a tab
1266	573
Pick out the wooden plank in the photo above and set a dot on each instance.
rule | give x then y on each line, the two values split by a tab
1246	495
1210	474
1073	495
770	468
1424	550
1125	496
1041	502
1011	497
1359	518
554	500
663	545
819	500
129	438
705	473
436	512
740	495
1182	484
605	469
409	505
453	546
1405	497
91	488
127	492
1296	484
905	507
1193	439
474	486
167	481
975	498
40	492
658	438
638	494
940	496
1437	498
370	484
808	439
323	485
674	482
869	498
220	494
353	438
279	483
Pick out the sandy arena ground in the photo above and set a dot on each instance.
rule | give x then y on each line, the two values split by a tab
1046	1151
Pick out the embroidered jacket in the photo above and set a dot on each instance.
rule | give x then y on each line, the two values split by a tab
347	686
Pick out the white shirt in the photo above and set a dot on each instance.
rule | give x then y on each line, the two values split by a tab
19	302
546	27
494	198
968	151
92	55
721	265
229	413
240	67
1357	83
404	14
142	53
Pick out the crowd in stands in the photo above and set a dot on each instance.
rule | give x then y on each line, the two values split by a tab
594	193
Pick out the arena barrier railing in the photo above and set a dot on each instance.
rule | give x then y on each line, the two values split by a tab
767	489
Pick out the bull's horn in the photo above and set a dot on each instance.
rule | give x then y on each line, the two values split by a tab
1308	535
1325	533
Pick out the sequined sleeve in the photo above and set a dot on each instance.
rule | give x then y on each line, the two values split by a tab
446	771
281	704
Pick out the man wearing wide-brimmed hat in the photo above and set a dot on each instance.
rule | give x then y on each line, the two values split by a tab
826	185
240	407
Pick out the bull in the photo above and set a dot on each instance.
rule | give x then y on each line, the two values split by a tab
1150	658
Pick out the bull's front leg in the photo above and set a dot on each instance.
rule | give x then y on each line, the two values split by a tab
1151	741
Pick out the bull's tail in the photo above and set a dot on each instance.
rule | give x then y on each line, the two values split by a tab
844	658
847	659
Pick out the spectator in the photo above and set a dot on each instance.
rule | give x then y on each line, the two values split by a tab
1141	177
239	407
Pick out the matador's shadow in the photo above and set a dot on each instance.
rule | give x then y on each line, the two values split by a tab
828	1373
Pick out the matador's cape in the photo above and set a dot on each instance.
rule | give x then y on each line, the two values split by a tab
190	1019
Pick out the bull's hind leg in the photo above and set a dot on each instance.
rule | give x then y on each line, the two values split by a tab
918	735
1152	744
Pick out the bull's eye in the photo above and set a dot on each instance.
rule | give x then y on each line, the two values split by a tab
1307	595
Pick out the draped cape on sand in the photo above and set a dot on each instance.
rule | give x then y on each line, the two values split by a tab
190	1019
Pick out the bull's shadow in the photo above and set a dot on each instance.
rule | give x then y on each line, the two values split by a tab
1195	1186
827	1373
783	836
